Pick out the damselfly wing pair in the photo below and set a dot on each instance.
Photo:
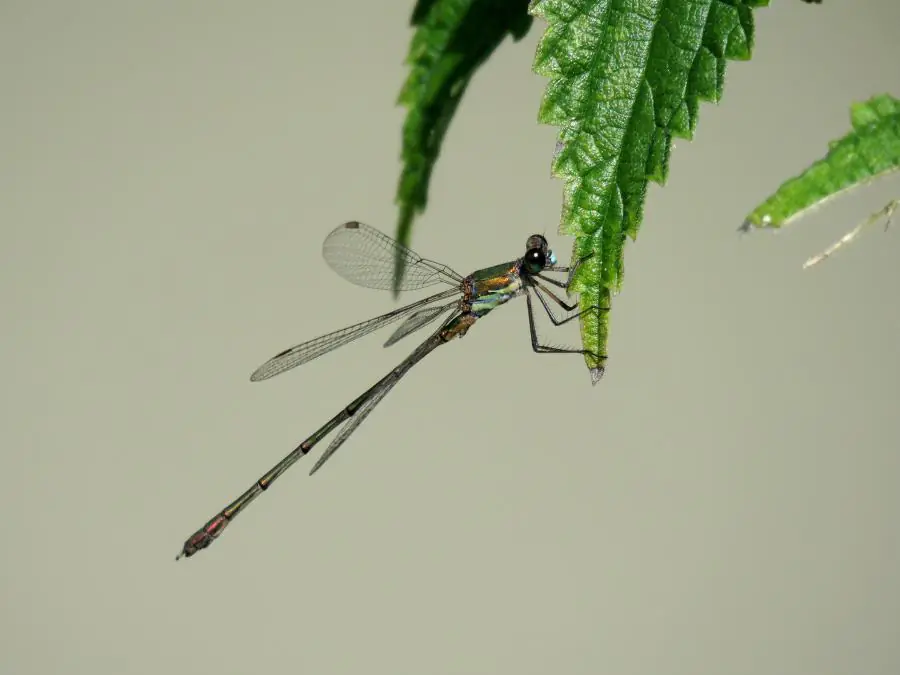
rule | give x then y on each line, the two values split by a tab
366	257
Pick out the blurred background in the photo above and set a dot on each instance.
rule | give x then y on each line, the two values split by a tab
723	502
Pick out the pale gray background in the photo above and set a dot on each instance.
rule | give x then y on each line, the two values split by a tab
725	502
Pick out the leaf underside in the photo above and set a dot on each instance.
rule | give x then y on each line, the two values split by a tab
625	77
452	39
870	150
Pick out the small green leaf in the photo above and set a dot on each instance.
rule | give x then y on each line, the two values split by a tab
452	39
871	149
625	77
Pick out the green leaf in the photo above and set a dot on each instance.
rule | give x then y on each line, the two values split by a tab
871	149
625	77
452	39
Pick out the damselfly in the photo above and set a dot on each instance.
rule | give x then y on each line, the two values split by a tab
366	257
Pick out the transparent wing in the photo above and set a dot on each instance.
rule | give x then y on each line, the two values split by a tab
365	256
418	320
354	422
307	351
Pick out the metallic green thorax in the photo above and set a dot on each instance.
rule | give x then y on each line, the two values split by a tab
493	286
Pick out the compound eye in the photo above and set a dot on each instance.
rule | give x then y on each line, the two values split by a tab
535	259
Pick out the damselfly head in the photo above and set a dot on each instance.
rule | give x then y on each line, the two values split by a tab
537	254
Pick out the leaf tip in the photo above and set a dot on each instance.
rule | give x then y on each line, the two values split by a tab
755	221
